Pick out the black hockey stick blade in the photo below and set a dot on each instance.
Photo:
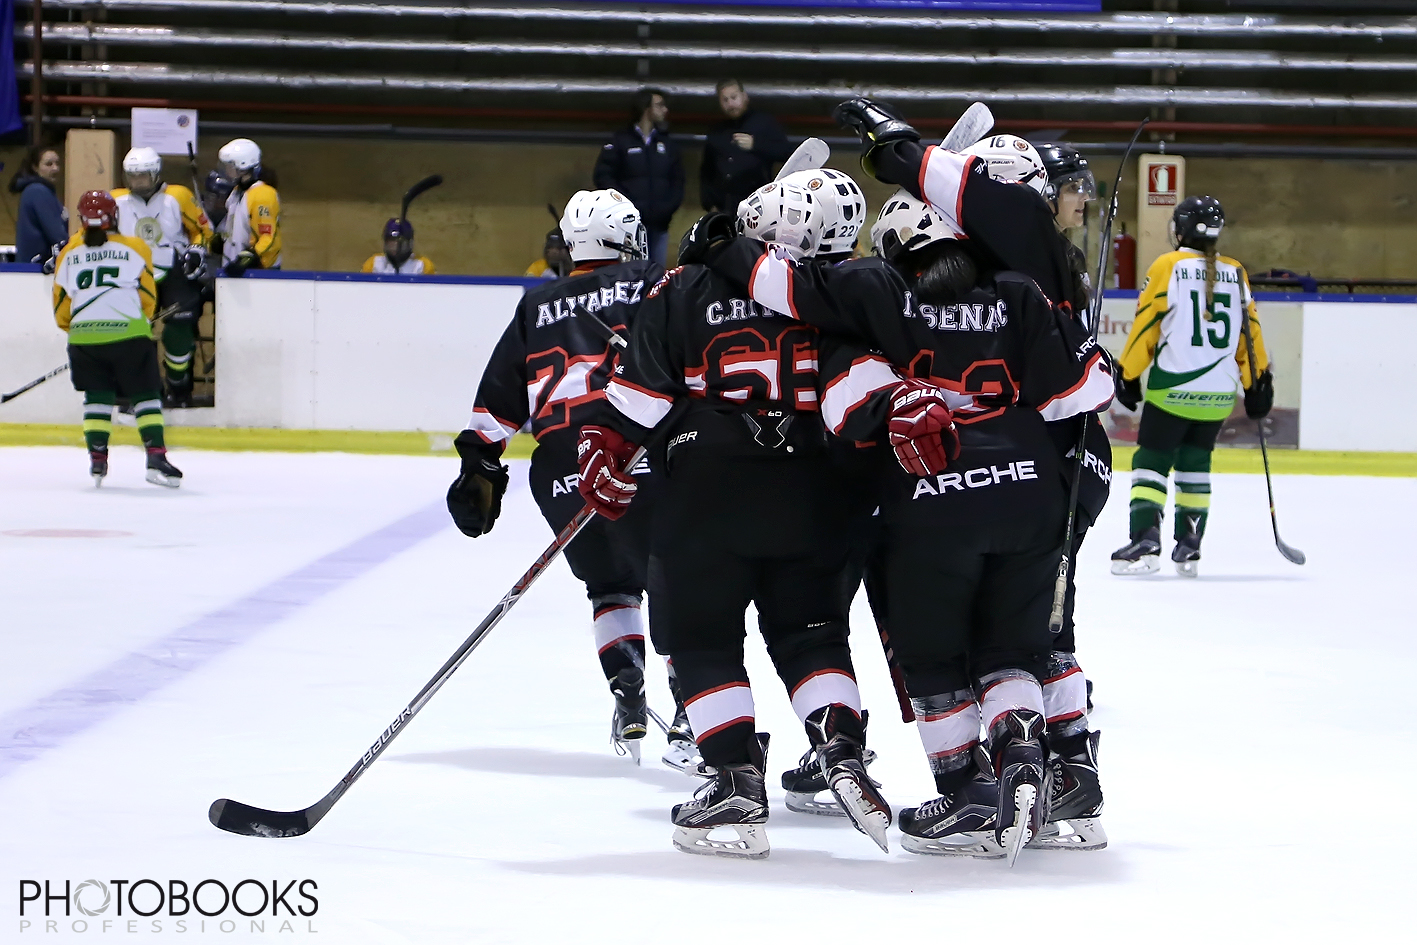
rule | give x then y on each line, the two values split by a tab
235	817
1290	553
426	184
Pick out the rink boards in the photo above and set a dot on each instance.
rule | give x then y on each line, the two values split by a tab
336	351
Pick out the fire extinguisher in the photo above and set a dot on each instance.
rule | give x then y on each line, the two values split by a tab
1124	255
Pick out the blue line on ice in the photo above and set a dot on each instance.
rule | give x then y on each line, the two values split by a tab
28	733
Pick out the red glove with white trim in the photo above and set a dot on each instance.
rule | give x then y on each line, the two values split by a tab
921	428
605	483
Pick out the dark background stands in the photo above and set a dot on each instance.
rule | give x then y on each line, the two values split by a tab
740	151
42	220
643	163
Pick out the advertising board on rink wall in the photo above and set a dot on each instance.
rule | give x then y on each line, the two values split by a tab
339	351
1011	6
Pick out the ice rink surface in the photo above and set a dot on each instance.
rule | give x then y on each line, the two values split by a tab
249	635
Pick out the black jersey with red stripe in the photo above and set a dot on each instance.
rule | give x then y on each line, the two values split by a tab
556	355
700	336
1000	350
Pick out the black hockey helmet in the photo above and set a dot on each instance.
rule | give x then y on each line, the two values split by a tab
1066	168
1197	222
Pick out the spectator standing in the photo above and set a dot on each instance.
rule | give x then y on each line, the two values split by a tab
43	224
740	151
643	163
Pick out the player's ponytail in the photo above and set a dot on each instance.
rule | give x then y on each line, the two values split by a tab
1210	283
95	236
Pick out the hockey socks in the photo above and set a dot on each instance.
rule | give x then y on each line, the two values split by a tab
1064	695
619	632
98	419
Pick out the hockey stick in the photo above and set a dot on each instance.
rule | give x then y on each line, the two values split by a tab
1289	553
417	190
1104	255
810	155
33	384
972	126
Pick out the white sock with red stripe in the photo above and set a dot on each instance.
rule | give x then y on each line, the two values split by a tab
619	632
1007	691
720	708
948	724
823	688
1065	695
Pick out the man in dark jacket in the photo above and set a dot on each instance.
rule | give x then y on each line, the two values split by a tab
42	225
739	152
642	163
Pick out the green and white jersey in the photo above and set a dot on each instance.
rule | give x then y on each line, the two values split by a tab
169	222
1197	358
105	293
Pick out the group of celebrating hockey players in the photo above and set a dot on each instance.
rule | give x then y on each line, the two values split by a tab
142	255
774	420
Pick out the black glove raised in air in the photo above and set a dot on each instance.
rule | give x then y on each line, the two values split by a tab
712	230
1128	392
877	127
1259	396
475	497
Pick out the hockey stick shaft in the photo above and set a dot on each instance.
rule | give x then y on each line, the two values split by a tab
6	398
427	184
1104	256
1289	553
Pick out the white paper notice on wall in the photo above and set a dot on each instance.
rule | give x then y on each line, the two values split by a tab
165	130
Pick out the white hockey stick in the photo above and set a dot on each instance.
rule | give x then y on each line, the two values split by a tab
810	155
976	122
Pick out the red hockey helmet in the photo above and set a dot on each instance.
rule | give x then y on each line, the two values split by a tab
98	208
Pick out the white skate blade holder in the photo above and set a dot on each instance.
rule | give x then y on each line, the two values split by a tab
979	844
863	814
156	477
752	842
1082	833
682	756
1146	564
1188	569
804	803
1014	838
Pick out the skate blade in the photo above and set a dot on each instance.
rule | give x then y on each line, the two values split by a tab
157	478
869	816
1146	564
1188	569
980	845
1014	838
97	482
628	744
804	803
682	756
1082	833
752	842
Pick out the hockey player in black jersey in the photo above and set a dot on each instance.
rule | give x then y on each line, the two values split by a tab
550	364
1018	227
972	543
751	511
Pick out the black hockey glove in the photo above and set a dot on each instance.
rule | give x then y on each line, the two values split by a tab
194	264
475	497
877	127
1259	397
1128	392
243	261
712	230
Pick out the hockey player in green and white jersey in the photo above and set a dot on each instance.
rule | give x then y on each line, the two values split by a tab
1191	319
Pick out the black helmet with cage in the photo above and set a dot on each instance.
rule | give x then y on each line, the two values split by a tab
1197	222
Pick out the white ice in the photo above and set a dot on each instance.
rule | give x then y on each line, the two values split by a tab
1257	750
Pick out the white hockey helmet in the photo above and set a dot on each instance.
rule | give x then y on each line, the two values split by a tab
1012	160
603	224
843	207
785	214
239	156
142	161
905	225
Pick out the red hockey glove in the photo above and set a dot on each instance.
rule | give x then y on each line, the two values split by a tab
606	485
921	429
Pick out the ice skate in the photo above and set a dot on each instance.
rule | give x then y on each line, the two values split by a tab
804	782
960	823
98	466
681	754
734	798
1016	748
1187	555
161	472
1075	808
1142	555
628	723
838	737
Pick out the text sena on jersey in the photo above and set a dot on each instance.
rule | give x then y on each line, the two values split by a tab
978	478
961	316
548	313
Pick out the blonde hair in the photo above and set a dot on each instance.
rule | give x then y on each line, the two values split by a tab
1210	283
